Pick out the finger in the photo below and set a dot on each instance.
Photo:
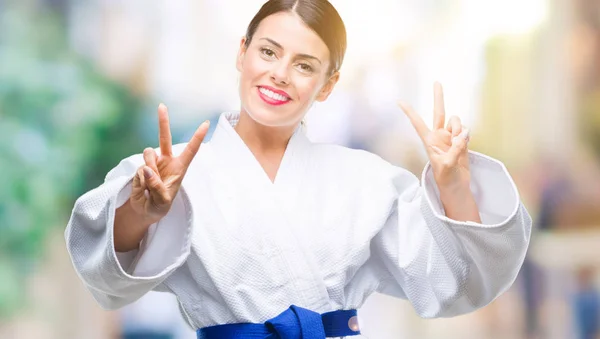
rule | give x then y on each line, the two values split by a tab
468	140
454	126
439	112
416	121
459	143
193	145
156	187
164	130
139	184
150	158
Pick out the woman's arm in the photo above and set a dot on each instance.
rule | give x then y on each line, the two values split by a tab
443	266
118	278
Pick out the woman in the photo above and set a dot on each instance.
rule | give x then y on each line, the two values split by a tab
260	223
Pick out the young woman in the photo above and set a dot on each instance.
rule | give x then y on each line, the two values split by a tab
262	234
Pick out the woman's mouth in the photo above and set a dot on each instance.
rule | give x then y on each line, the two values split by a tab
273	96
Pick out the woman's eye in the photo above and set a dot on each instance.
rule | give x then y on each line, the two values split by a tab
305	67
267	52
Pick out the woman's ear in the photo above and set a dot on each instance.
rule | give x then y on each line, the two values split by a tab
241	53
328	87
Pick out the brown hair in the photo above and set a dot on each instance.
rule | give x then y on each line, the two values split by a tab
319	15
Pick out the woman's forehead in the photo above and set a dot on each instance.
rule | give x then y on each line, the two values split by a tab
294	36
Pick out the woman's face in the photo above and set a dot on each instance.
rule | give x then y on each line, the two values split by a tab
283	70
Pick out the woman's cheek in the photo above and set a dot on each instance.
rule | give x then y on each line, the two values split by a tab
308	88
254	65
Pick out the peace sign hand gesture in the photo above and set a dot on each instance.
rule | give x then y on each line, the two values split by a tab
157	182
446	147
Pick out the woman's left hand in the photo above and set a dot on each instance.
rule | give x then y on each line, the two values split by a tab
446	146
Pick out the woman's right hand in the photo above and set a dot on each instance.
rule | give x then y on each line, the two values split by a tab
157	181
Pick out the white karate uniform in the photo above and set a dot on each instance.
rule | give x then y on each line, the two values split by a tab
335	226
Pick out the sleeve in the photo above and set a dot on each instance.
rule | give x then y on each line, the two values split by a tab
446	267
117	279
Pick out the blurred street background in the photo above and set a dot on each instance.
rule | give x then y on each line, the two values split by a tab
80	82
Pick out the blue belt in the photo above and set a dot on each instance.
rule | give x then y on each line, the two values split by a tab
294	323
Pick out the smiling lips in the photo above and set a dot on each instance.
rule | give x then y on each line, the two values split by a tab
273	96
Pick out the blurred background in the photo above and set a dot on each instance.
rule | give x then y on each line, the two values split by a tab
80	82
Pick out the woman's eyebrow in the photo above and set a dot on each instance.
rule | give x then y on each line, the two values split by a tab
278	45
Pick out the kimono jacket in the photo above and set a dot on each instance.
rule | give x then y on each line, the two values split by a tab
335	226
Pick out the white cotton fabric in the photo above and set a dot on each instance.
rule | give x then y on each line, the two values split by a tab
335	226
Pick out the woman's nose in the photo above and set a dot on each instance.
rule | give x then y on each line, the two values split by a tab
280	73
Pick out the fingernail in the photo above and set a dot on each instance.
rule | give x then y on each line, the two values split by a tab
161	105
148	173
207	122
465	133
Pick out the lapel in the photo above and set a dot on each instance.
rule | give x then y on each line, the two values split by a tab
243	170
269	210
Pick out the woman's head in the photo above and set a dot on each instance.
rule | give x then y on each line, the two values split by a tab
290	57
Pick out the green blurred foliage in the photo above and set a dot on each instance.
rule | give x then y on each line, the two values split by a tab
63	125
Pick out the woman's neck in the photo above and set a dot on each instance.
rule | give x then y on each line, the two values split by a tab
267	144
263	140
